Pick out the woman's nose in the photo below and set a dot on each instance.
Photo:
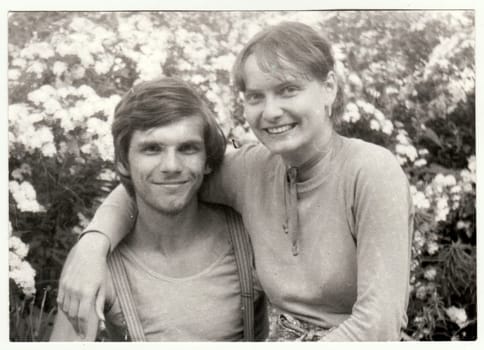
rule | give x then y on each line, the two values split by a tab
272	109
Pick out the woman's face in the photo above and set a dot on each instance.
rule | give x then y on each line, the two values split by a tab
288	113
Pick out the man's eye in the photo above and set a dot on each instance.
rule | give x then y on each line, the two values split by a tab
150	149
189	149
253	98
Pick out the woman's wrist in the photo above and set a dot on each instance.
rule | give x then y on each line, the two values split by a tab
96	241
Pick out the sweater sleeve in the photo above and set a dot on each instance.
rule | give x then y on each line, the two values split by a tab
115	217
383	219
227	184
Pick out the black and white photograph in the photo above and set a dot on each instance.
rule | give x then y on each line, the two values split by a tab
258	175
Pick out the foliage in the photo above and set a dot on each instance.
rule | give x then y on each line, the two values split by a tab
409	84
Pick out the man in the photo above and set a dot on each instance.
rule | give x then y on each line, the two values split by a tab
180	274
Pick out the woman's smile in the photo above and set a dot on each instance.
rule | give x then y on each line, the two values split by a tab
277	130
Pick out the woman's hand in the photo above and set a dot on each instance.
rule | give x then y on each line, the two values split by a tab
82	280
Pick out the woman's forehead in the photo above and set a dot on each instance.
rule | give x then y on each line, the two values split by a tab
258	68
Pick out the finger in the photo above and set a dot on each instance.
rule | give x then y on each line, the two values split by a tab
60	297
100	301
73	310
85	306
66	303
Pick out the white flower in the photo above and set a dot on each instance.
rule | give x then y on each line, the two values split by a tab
430	273
25	196
105	148
457	315
16	246
456	189
391	90
439	180
42	136
14	74
421	292
379	115
442	209
420	201
423	151
48	149
107	175
18	174
24	276
368	108
19	62
387	127
51	106
432	247
197	79
37	50
42	94
449	180
78	72
20	271
420	162
87	148
471	164
59	67
407	150
463	224
352	113
374	125
402	137
355	80
103	66
36	68
401	160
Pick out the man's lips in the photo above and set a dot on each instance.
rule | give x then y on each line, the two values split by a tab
170	183
276	130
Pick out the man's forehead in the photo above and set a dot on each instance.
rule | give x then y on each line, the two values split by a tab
187	129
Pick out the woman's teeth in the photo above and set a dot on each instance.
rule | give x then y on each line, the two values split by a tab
279	129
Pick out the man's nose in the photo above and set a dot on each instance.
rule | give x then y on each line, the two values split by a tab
170	162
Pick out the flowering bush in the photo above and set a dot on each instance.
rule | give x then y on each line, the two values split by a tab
409	85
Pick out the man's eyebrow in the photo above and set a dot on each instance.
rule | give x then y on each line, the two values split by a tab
197	142
148	143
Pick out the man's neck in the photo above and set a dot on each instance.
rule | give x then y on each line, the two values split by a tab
166	233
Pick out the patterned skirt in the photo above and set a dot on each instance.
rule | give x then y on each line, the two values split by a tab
284	327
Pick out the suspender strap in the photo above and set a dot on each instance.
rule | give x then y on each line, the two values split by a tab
243	258
123	292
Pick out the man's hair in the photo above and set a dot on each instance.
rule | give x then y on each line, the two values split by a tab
290	48
158	103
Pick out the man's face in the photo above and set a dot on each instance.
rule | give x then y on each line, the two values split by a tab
167	165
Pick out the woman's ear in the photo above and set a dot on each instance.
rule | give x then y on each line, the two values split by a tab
122	169
330	86
208	169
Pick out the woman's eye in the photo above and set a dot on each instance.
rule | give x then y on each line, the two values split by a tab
253	98
289	90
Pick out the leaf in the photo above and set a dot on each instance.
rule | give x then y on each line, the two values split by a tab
428	133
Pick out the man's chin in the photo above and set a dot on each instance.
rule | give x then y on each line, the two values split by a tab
173	209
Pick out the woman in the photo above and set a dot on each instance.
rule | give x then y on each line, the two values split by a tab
330	217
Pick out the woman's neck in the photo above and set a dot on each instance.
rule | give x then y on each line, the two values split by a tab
311	156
